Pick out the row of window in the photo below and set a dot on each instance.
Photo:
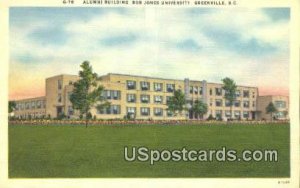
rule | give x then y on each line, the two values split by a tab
221	92
144	111
236	114
111	94
280	104
237	103
31	105
195	90
131	98
145	86
31	115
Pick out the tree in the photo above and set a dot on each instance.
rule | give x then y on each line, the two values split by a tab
177	102
86	93
270	109
199	108
11	106
229	87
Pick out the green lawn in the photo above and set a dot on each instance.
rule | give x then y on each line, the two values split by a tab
98	151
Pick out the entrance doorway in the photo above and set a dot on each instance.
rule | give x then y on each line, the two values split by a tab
59	111
253	115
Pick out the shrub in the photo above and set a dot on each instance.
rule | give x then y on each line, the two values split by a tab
89	115
210	117
61	116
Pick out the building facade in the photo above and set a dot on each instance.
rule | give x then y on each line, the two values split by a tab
30	108
144	97
281	103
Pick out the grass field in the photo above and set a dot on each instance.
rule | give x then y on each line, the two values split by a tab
98	151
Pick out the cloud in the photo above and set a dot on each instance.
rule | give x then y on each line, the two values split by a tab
278	14
204	43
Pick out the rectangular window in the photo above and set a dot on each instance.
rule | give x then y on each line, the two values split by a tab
228	113
59	84
218	102
158	86
218	113
145	86
17	107
27	105
196	90
200	91
116	94
116	109
170	88
210	92
59	98
131	110
253	94
218	91
108	94
246	94
227	103
131	84
280	104
237	103
131	98
158	99
168	99
38	104
145	111
111	94
246	114
33	105
145	98
169	113
158	111
191	89
112	109
237	114
280	114
253	104
246	104
237	93
70	110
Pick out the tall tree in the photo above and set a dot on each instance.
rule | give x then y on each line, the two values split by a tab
199	108
270	109
177	102
86	93
229	87
11	106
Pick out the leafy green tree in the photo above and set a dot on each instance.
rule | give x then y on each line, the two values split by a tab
229	87
177	102
270	109
86	93
11	106
199	108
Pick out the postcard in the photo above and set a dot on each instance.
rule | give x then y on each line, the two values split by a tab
181	93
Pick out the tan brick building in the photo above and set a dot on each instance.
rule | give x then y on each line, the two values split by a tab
144	98
281	103
30	108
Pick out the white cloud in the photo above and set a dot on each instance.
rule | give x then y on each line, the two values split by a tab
154	52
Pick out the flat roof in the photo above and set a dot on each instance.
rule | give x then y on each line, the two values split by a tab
62	75
148	77
31	98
